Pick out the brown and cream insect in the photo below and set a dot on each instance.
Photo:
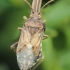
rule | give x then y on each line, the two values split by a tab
29	47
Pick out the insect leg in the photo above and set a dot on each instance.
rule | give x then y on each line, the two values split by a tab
38	63
45	36
20	29
24	17
13	46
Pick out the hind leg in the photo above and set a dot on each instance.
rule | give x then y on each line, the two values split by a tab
45	36
38	63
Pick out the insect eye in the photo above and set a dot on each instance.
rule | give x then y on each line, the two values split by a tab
32	12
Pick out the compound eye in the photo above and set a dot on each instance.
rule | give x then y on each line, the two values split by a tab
32	12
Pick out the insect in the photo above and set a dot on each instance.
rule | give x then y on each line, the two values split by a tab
29	47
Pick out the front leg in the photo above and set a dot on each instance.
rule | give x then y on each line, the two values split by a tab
14	46
45	36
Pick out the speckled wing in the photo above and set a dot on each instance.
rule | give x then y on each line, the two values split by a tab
24	39
36	41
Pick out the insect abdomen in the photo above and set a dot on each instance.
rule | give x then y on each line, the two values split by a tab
26	59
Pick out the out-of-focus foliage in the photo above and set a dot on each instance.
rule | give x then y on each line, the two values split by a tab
56	48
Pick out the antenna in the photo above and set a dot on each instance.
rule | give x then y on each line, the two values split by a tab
28	3
47	3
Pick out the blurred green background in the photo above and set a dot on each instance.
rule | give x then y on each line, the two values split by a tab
56	48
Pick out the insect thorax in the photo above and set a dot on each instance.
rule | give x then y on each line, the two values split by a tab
35	24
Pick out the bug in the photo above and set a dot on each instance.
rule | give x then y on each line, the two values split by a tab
29	47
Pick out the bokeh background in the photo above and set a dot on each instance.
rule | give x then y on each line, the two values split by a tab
56	48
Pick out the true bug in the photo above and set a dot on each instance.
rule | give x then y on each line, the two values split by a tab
29	47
